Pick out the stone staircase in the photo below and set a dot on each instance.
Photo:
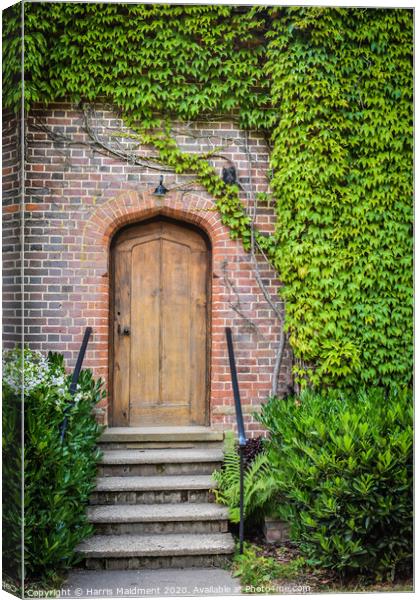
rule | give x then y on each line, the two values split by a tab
153	505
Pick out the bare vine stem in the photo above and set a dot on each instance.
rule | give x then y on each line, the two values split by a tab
277	311
237	306
99	146
134	158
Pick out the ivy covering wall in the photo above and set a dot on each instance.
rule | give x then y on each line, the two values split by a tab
332	89
342	156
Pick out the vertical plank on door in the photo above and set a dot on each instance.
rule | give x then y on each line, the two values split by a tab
121	374
175	325
198	342
145	314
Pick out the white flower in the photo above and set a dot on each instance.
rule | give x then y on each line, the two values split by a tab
27	370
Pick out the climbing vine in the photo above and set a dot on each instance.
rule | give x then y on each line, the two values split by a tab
342	160
332	90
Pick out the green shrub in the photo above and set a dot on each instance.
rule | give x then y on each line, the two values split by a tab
59	477
343	469
11	481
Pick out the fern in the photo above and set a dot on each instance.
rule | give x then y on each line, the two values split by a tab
259	482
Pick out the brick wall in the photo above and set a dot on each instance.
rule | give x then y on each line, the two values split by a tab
78	197
11	231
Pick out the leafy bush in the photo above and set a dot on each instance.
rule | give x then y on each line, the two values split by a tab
258	484
59	477
12	480
343	471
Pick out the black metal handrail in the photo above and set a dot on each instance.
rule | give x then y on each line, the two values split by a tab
75	378
241	433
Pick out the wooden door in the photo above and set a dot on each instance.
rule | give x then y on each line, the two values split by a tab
160	325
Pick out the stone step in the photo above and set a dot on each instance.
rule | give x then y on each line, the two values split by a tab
156	551
159	518
194	461
153	489
153	504
156	513
155	483
160	437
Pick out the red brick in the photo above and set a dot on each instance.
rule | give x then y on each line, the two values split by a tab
84	207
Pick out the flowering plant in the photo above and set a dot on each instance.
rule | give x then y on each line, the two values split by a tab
25	368
28	370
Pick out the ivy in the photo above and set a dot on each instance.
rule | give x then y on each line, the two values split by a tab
148	60
342	164
332	89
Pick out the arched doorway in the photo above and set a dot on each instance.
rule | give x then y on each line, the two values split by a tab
160	307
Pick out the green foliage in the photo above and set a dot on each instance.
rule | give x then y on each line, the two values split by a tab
11	481
59	477
343	467
258	483
148	60
342	162
332	89
256	570
12	57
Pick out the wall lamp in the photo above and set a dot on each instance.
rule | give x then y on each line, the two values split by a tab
161	189
229	175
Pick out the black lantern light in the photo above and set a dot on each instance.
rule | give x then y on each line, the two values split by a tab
161	189
229	175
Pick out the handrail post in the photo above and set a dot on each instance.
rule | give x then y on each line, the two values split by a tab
75	377
241	433
241	498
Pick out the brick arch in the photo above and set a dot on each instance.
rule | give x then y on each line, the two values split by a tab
130	207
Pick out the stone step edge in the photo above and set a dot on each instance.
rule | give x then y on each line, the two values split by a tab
157	513
160	434
174	544
161	483
158	457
